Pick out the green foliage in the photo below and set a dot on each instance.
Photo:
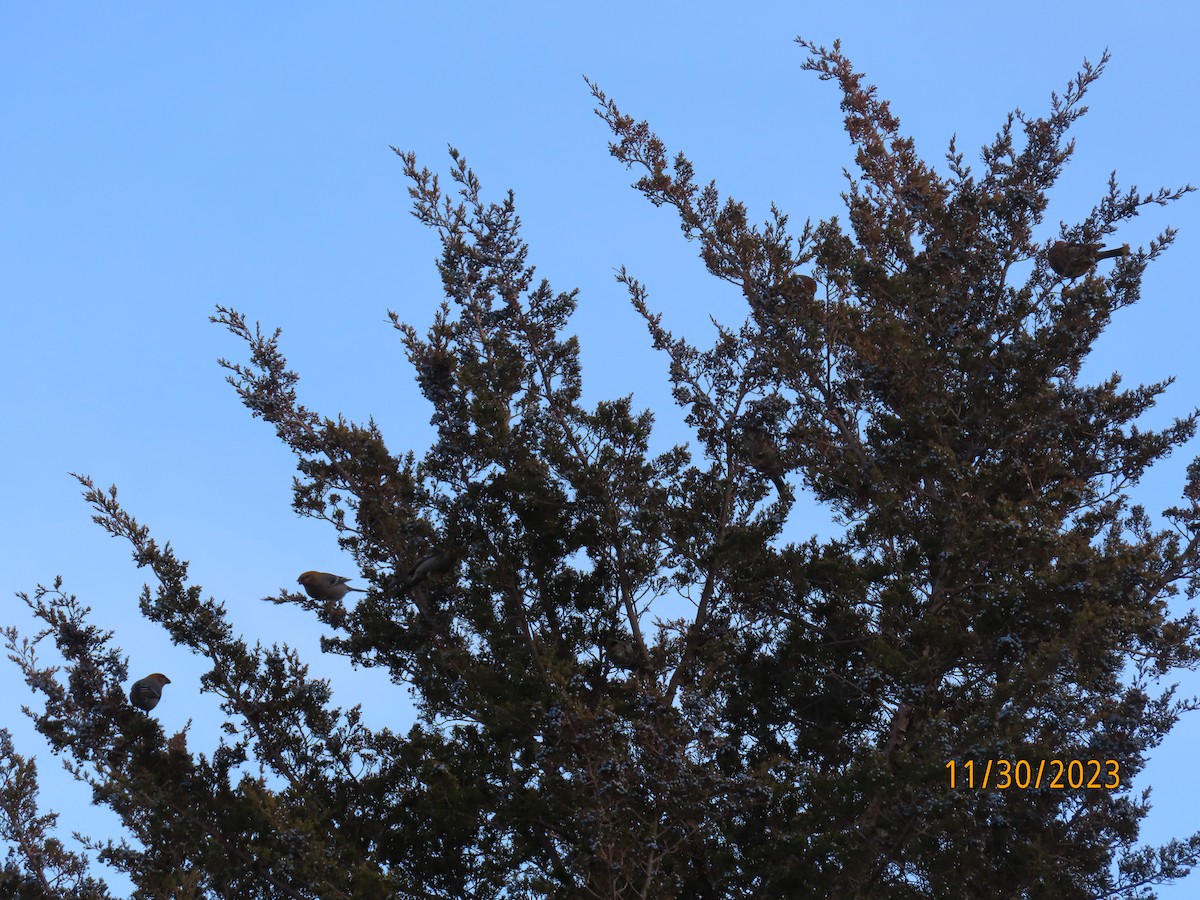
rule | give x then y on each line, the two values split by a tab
994	595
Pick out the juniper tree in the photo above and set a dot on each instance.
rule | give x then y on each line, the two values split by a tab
993	594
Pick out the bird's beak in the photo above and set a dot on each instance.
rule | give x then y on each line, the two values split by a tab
166	680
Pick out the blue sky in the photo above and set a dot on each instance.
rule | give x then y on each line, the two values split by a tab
159	160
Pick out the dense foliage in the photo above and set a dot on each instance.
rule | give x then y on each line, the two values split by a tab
992	596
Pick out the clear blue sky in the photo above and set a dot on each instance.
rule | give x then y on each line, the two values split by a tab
160	159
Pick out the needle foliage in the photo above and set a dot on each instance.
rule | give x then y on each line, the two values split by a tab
993	594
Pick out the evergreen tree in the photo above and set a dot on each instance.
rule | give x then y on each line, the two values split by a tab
994	594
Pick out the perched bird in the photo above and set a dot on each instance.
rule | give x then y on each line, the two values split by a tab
326	587
146	692
623	652
802	286
435	562
778	298
764	456
1073	260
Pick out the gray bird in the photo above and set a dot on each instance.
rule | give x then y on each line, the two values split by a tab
622	652
435	562
325	587
764	456
146	692
1073	260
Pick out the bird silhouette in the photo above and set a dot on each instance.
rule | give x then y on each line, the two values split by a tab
622	652
435	562
1073	260
146	692
801	286
764	457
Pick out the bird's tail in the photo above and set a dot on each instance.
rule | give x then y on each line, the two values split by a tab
781	486
1115	252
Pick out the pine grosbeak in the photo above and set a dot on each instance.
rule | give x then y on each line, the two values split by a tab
623	653
764	456
146	692
1073	260
435	562
326	587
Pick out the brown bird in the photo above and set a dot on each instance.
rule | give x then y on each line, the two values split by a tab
326	587
435	562
764	456
146	692
1073	260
